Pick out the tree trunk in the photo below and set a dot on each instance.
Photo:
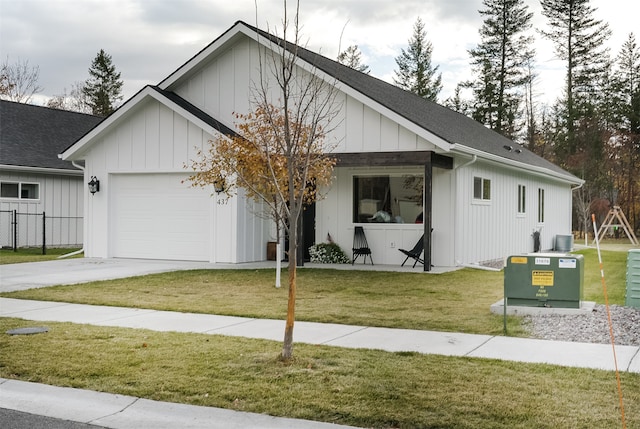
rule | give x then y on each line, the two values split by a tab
287	346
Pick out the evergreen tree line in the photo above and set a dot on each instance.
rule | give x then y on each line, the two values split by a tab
592	129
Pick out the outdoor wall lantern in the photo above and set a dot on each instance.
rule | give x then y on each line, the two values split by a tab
94	185
218	185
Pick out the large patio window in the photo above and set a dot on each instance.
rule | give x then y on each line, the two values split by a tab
388	199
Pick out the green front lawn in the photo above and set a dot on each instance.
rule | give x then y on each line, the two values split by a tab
33	254
364	388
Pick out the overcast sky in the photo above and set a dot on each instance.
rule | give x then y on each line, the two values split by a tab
148	39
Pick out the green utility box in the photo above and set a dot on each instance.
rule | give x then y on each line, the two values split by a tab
544	280
633	279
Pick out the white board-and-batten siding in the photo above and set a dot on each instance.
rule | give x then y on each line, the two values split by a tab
494	229
60	196
151	140
221	86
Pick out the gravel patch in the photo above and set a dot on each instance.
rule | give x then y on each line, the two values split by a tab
589	328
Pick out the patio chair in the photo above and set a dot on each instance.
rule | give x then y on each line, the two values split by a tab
414	253
360	245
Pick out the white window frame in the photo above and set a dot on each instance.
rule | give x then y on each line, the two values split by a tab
484	183
20	185
522	200
540	205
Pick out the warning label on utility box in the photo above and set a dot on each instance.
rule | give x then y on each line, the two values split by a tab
542	278
519	260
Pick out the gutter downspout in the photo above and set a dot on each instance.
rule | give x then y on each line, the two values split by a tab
473	159
77	252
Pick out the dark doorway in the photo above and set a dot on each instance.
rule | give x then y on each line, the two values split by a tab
308	229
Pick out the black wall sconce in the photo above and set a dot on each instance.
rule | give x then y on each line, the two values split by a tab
218	185
94	185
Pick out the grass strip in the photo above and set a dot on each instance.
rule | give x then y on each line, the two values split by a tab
363	388
33	254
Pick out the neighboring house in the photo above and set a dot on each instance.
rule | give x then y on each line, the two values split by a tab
484	198
33	180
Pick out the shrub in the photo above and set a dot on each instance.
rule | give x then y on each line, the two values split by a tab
328	253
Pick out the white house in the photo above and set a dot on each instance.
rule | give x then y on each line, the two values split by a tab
34	181
484	194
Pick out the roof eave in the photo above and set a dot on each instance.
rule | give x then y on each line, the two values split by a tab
41	170
509	163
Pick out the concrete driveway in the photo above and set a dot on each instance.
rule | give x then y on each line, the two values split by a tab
82	270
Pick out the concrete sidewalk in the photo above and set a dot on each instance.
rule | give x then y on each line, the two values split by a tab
581	355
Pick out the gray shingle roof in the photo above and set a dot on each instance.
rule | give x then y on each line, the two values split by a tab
33	136
445	123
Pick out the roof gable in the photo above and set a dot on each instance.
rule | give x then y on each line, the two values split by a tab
167	98
447	129
33	136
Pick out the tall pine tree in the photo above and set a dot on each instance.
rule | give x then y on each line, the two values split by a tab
579	40
625	147
352	57
627	89
500	63
415	72
103	89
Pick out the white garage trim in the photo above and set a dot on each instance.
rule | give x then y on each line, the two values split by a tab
156	216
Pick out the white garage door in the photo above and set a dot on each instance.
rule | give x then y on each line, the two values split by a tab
155	216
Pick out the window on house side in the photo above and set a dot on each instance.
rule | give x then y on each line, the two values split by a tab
540	205
481	188
9	190
521	199
22	191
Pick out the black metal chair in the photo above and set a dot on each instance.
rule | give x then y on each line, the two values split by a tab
360	245
415	253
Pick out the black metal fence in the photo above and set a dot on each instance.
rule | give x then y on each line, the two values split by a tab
20	230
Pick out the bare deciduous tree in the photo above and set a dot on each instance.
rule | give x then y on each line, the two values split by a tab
19	81
75	100
282	143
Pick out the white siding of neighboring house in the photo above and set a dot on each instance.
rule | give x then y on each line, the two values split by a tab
154	139
60	196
